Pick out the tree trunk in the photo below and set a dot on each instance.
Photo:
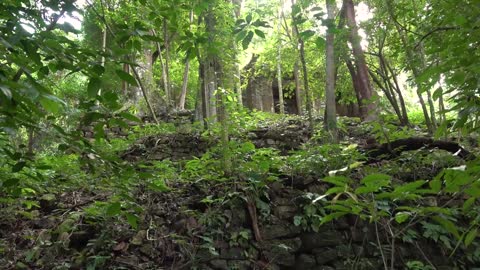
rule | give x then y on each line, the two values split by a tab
399	93
298	88
330	110
366	93
183	94
305	73
279	61
411	65
164	75
170	99
237	4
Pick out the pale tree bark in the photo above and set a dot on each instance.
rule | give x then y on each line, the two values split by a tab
279	60
104	46
183	94
331	114
144	92
366	92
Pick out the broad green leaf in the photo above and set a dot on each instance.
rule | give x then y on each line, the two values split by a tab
241	35
333	216
259	33
447	225
249	18
366	189
246	41
409	187
471	235
337	180
132	220
307	34
335	190
468	204
130	117
51	104
401	217
114	209
376	180
93	86
126	77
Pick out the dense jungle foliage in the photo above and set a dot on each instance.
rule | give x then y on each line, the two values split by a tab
242	134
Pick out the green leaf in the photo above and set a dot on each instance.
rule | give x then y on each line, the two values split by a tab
333	216
159	185
366	189
259	33
94	86
126	77
337	180
10	182
249	18
132	220
246	41
468	204
18	166
471	235
51	104
377	180
130	117
241	35
410	187
307	34
114	209
447	225
401	217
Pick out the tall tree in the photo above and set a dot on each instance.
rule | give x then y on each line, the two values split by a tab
365	90
297	19
331	115
279	58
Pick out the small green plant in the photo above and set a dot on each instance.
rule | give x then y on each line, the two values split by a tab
397	207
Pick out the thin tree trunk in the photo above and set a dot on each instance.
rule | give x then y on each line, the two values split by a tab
170	100
164	74
330	110
238	74
298	88
104	46
368	104
279	61
144	92
399	93
305	83
411	65
305	73
183	94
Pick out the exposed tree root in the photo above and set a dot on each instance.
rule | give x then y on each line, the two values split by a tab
393	149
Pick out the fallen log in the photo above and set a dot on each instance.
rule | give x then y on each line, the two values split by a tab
393	149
